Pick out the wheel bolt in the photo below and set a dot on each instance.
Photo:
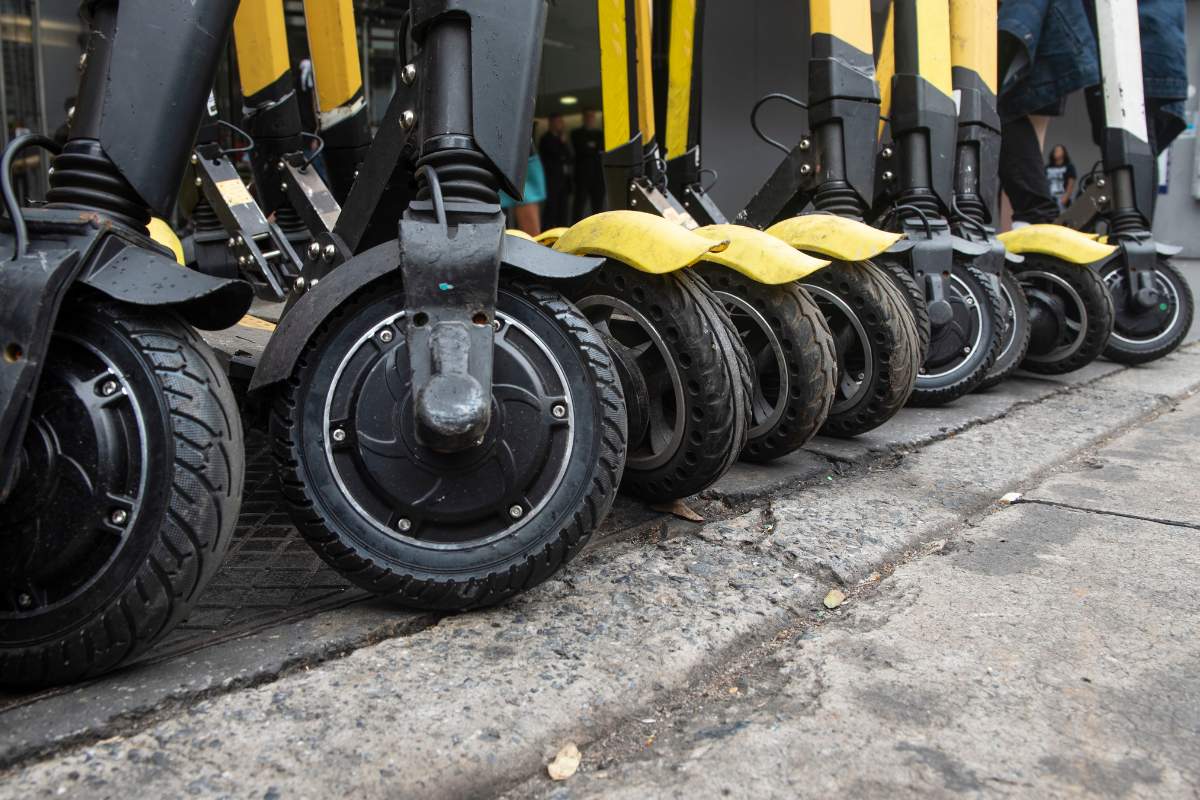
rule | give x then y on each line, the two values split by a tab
385	336
119	516
314	250
966	351
330	252
109	388
496	325
516	512
405	524
24	601
559	411
339	435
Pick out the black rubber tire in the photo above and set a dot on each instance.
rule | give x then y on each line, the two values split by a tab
787	330
1125	346
700	343
891	352
178	528
939	390
1014	310
1097	308
479	572
903	277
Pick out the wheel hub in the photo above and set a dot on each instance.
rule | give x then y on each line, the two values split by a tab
953	342
1136	319
444	498
1057	314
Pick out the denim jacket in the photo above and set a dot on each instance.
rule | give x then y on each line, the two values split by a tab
1058	54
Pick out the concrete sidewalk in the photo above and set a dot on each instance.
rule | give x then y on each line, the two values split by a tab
476	704
1048	651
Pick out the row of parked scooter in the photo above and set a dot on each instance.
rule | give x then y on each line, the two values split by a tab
453	406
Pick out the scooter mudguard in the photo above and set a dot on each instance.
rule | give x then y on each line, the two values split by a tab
520	234
161	232
549	237
646	242
1058	241
758	255
836	237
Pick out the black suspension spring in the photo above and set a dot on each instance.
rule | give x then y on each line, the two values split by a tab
85	178
1126	220
971	206
204	217
464	175
290	223
836	197
921	199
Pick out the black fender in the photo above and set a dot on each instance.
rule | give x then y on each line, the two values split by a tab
314	307
144	277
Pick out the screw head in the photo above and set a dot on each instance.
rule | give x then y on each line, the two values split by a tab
1100	182
314	283
496	326
404	524
109	388
299	284
408	119
195	158
241	240
408	74
888	175
860	376
24	600
198	183
279	165
887	152
559	411
119	516
516	511
1102	199
330	252
82	60
385	336
966	351
314	250
232	242
805	144
921	371
805	169
283	186
338	435
244	260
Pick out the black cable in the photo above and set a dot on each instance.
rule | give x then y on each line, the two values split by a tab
963	217
435	191
754	118
10	197
715	175
900	207
234	150
316	153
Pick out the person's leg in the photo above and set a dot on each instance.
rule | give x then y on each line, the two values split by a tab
598	199
529	218
1023	175
579	201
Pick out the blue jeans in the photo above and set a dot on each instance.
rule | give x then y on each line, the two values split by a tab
1053	53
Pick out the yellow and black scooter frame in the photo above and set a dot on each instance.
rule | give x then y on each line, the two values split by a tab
915	195
876	342
760	264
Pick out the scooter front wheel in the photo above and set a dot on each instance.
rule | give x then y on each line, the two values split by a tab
878	347
1014	343
671	331
963	347
451	531
128	493
1142	334
1070	314
792	360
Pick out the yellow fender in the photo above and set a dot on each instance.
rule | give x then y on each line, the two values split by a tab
549	237
1065	244
161	232
759	256
646	242
519	233
836	237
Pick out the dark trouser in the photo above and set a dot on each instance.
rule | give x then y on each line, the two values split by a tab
1023	174
589	197
554	213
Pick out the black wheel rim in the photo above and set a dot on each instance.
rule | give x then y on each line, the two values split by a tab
1058	315
1009	334
955	343
644	343
84	470
855	353
447	500
1134	324
770	375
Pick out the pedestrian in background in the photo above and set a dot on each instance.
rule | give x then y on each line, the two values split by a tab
556	156
1061	175
588	144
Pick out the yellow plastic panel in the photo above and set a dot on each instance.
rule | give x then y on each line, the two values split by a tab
759	256
549	237
260	37
933	44
614	72
973	38
1058	241
681	51
333	43
848	20
161	232
646	242
835	237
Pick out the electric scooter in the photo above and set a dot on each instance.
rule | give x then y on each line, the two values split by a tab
873	330
1152	300
449	429
915	193
1055	311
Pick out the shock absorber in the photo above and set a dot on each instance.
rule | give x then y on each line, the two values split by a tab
84	177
